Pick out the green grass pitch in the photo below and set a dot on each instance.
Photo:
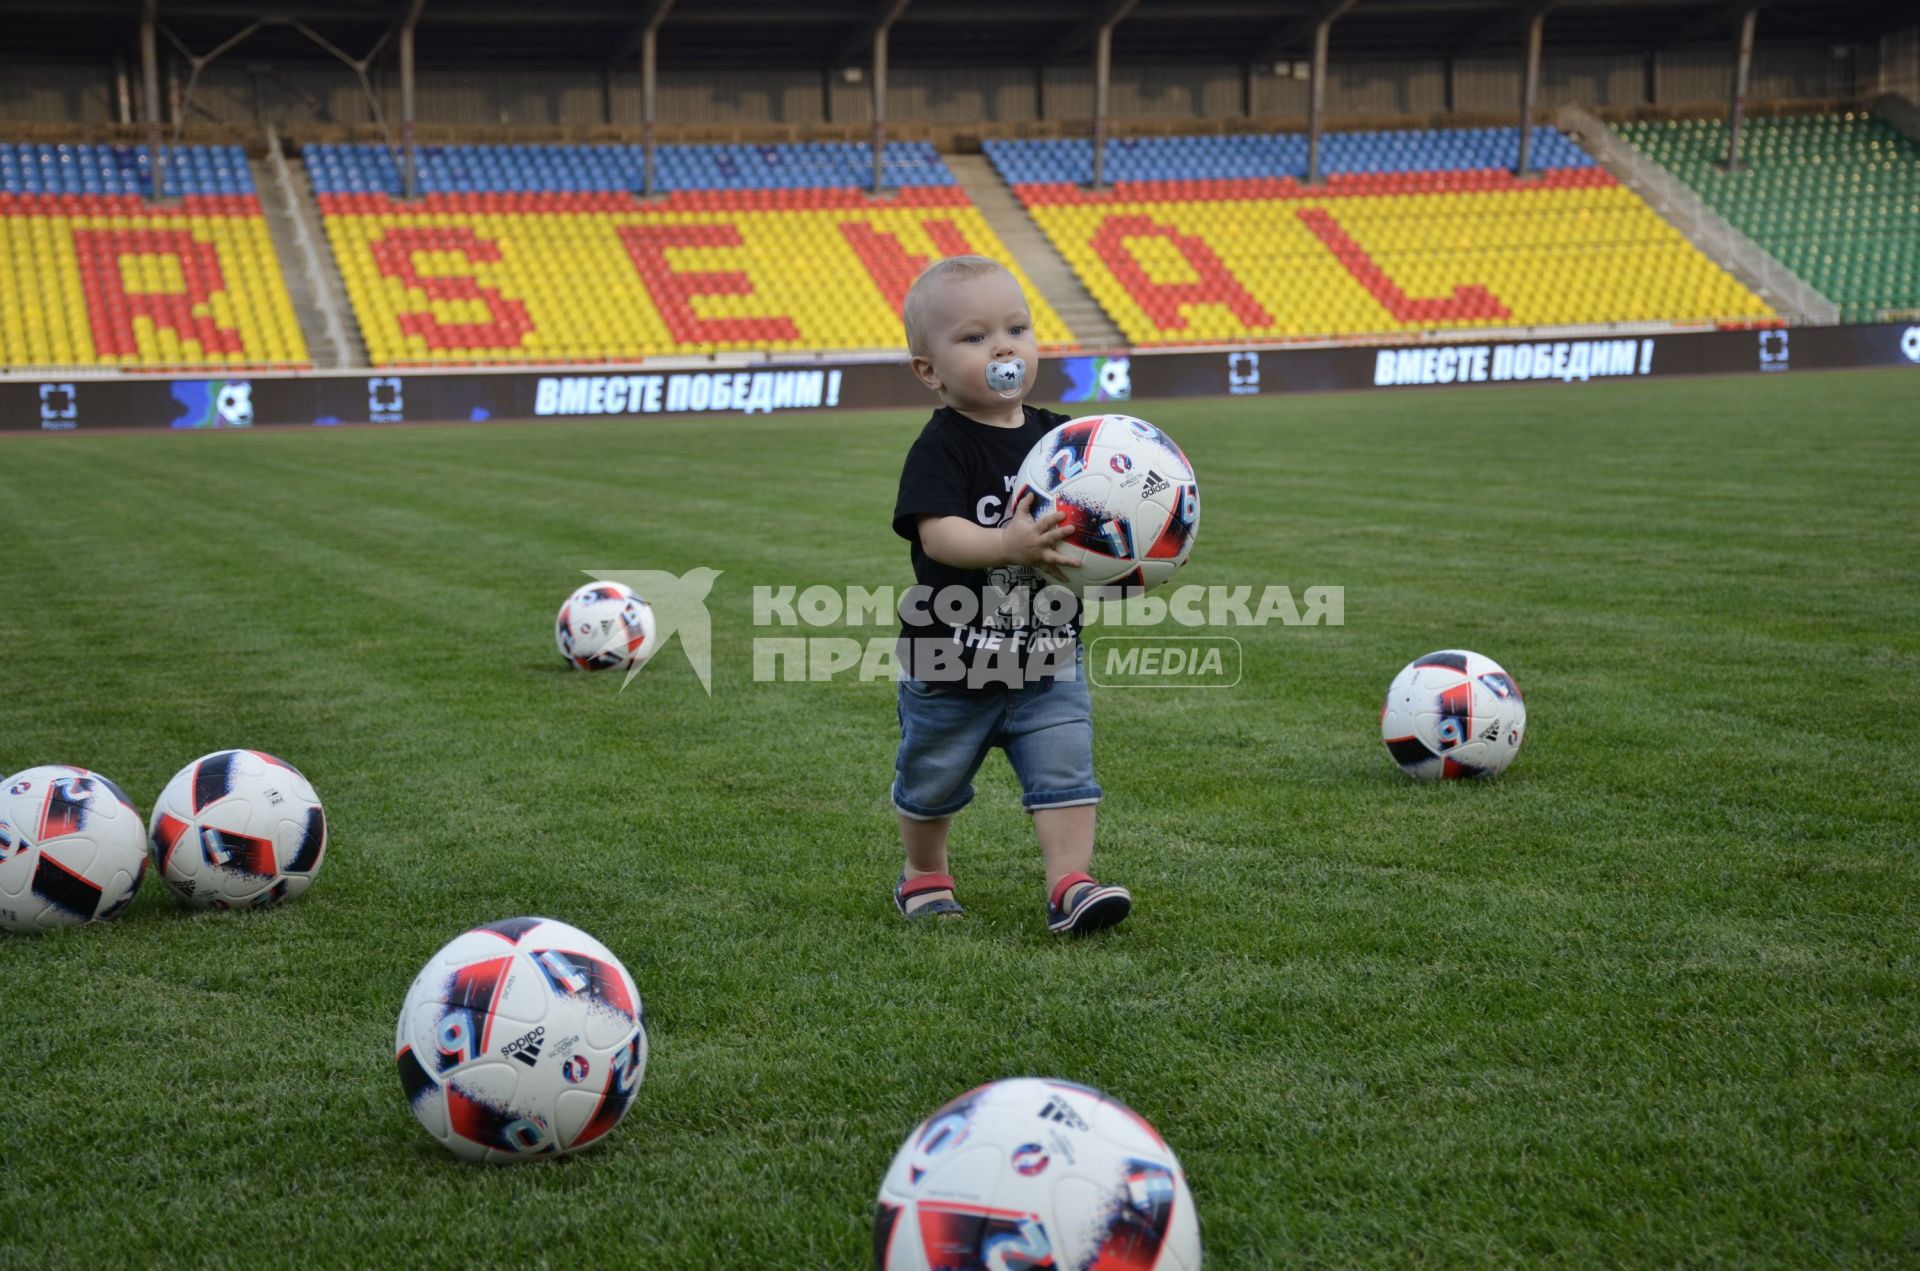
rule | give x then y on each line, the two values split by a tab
1648	1000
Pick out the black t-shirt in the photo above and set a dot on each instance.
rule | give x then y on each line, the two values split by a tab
976	627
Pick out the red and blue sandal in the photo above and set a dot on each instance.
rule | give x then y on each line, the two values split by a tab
945	907
1094	907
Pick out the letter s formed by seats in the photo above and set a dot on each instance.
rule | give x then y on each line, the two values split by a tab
393	254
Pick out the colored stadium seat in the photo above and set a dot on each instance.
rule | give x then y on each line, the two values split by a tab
1218	239
1835	198
91	275
544	253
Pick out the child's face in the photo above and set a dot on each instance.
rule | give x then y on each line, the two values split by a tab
975	321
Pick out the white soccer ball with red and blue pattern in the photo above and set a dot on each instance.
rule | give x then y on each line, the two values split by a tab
238	829
1453	714
605	626
71	849
1032	1172
520	1039
1128	495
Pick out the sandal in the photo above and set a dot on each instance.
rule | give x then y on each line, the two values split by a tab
945	907
1094	908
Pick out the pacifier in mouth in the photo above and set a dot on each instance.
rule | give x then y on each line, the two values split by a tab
1005	378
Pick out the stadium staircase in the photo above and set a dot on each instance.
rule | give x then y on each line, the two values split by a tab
1834	197
1790	295
1049	272
1901	115
313	284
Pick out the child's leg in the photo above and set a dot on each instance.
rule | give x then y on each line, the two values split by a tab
926	844
1049	740
1066	840
944	736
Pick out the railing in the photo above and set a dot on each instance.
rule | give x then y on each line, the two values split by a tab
1791	296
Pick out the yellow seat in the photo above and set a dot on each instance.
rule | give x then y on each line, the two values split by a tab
566	284
167	287
1179	271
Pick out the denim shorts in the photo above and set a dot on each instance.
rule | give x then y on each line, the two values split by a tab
1046	728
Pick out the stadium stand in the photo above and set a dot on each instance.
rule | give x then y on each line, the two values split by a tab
545	254
1209	239
1835	198
91	275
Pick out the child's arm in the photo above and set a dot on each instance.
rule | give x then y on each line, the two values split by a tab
1020	540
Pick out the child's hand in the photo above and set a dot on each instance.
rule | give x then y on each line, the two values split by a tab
1028	540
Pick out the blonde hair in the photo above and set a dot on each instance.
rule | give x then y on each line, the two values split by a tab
920	297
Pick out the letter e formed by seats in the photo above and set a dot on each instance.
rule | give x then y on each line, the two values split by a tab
673	290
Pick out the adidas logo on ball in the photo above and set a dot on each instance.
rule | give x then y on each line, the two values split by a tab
1057	1110
1155	484
525	1048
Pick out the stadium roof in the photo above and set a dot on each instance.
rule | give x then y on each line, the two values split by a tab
742	34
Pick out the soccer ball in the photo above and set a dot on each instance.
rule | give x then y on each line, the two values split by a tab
1131	503
71	850
1453	714
604	626
520	1038
1035	1173
238	829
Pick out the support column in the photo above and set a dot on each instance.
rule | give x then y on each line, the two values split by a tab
879	103
1447	86
1102	87
1317	97
1529	90
649	103
1743	63
122	89
1653	78
412	168
1246	90
150	82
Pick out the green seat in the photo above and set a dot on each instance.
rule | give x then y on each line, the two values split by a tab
1836	198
